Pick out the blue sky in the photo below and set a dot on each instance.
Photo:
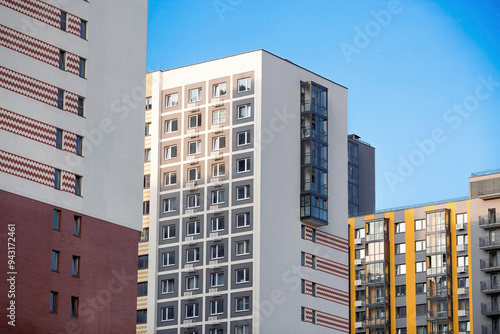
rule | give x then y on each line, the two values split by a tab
423	76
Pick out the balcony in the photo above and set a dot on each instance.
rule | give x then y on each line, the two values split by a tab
309	132
307	106
359	303
485	243
463	313
375	237
461	248
376	322
358	262
462	291
488	288
488	265
489	330
445	292
435	314
359	324
439	270
489	222
462	269
490	310
376	279
359	241
359	282
373	301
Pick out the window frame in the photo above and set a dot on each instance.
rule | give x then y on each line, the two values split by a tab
54	264
169	208
217	167
169	152
246	219
217	279
168	176
192	201
169	228
246	247
195	310
216	223
195	98
170	259
217	251
197	227
244	85
173	102
196	144
246	275
168	286
216	194
246	164
53	304
195	280
167	313
218	143
246	138
218	115
216	90
244	111
245	303
192	255
197	174
170	124
246	192
75	266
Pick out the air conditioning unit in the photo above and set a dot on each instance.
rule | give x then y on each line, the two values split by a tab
217	128
461	269
359	303
190	267
191	159
187	321
462	291
218	101
213	319
214	292
358	241
191	185
215	263
215	181
192	133
462	313
217	155
460	226
358	262
191	213
461	248
193	107
358	282
188	293
358	324
191	240
215	208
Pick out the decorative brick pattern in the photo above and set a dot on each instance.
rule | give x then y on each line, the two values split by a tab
143	248
68	182
332	321
27	127
142	302
69	142
72	63
142	275
73	24
27	169
36	9
71	102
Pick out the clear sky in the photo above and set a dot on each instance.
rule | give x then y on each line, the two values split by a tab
423	76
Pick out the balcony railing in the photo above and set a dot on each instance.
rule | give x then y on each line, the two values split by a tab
375	237
488	265
309	132
488	287
378	278
489	330
487	243
377	300
376	322
490	310
438	270
438	292
489	221
431	314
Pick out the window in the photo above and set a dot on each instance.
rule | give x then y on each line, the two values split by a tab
172	100
419	245
401	312
462	240
242	275
191	310
218	224
78	185
147	129
80	106
216	331
243	219
243	138
400	290
62	59
463	261
217	279
194	147
55	261
169	205
57	179
422	310
147	181
167	313
462	218
171	152
243	165
192	282
194	121
195	95
241	329
192	255
75	266
400	248
242	247
170	126
422	330
360	233
147	155
420	267
143	262
219	143
77	225
83	29
193	227
169	231
168	259
169	178
217	251
401	330
244	85
145	208
168	286
419	224
216	307
242	304
142	289
464	326
59	138
421	288
53	301
193	201
81	68
56	220
62	24
144	235
244	111
218	196
218	116
401	269
463	282
74	306
194	174
79	145
219	89
243	192
400	227
218	169
60	99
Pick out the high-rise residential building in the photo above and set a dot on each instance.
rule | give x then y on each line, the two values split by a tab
429	268
70	148
361	171
245	200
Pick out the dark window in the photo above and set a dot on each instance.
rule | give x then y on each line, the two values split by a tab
83	29
75	266
421	309
144	235
80	106
78	185
62	59
56	220
59	138
63	21
60	99
142	316
53	301
142	289
145	208
143	262
79	145
147	181
81	68
401	312
55	261
74	306
57	179
77	225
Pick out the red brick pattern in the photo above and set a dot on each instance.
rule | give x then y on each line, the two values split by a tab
26	168
332	321
68	182
73	24
36	9
72	63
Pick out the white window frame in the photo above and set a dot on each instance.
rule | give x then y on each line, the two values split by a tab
246	219
219	89
216	222
246	192
169	205
197	174
244	111
167	257
193	201
401	248
197	121
245	135
420	224
168	286
420	267
246	165
168	229
462	239
215	251
246	247
196	283
147	129
217	194
195	310
215	279
172	100
242	329
219	143
246	275
169	125
401	269
169	152
242	301
196	145
194	253
420	245
244	85
214	307
168	177
196	225
165	313
216	169
400	227
463	261
147	155
195	95
219	116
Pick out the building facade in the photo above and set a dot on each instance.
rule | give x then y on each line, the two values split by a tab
361	169
67	109
429	268
245	178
